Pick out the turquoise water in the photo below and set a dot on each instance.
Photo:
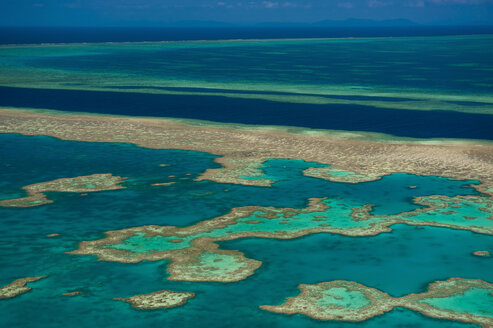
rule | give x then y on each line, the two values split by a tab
474	300
349	299
400	262
456	63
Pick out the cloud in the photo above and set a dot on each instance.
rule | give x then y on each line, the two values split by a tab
379	3
415	3
347	5
270	4
423	3
289	5
464	2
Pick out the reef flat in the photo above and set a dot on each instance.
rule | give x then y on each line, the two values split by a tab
236	215
157	300
336	300
338	175
17	287
83	184
467	300
74	293
195	256
244	148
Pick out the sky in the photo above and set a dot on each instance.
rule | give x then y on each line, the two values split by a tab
163	12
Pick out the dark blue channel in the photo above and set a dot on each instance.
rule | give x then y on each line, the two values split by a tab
23	35
406	123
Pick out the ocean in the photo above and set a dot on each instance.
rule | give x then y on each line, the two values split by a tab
413	82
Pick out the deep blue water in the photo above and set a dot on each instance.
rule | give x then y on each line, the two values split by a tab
26	35
407	123
400	262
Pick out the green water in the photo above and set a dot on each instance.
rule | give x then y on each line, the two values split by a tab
348	299
474	300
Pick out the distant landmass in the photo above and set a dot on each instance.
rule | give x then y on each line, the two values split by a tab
351	22
365	23
197	23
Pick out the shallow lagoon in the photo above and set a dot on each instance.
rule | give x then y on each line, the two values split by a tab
401	262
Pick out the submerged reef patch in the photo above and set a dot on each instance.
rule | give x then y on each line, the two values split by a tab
238	171
74	293
17	287
194	251
89	183
467	300
482	253
163	184
336	300
157	300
